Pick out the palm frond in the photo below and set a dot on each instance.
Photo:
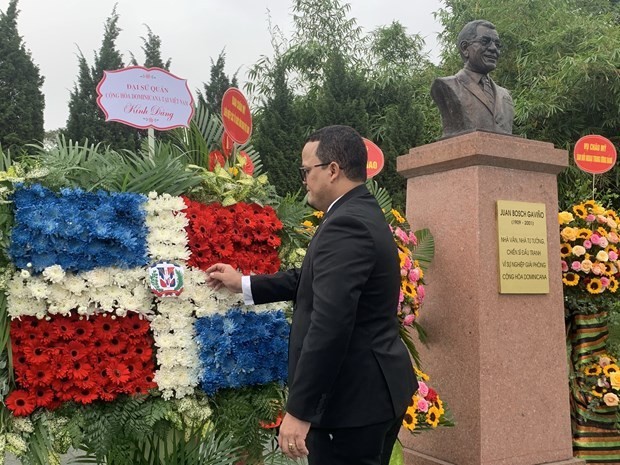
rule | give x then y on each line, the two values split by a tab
202	136
383	198
425	250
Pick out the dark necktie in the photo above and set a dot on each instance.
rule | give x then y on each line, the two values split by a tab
487	89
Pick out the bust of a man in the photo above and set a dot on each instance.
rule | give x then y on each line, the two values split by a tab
470	100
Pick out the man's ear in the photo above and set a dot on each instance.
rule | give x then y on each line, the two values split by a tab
463	46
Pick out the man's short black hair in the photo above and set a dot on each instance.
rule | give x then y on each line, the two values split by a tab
343	145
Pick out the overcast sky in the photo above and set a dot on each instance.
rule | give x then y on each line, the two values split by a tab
192	32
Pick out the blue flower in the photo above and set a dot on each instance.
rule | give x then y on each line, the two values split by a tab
242	349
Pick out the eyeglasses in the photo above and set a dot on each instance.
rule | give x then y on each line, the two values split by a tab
486	42
303	171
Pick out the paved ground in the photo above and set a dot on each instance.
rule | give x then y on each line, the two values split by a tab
11	460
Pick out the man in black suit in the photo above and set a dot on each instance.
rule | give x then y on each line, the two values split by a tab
470	100
350	376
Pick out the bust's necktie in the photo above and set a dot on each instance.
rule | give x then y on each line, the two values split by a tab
485	82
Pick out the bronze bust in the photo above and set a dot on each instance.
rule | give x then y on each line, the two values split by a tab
470	100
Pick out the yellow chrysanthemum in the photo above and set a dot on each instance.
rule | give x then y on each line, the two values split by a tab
593	370
611	368
397	216
411	420
565	250
570	279
408	289
318	213
234	171
583	233
597	210
613	284
580	211
565	217
595	286
307	224
432	416
421	375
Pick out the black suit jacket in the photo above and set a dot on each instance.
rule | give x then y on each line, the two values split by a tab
464	106
347	364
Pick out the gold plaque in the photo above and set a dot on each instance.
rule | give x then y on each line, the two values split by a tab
522	238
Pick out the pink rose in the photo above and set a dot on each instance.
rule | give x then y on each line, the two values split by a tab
421	292
604	361
423	405
587	244
575	266
422	388
590	218
564	266
402	236
603	242
595	239
610	399
613	256
605	281
613	237
409	319
601	219
401	297
414	275
412	238
406	309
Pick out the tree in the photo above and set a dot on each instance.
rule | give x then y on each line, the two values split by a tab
21	99
86	120
338	75
218	83
560	60
151	46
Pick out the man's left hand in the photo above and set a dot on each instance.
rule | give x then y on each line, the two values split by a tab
292	437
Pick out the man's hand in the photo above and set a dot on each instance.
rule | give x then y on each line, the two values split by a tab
222	275
292	437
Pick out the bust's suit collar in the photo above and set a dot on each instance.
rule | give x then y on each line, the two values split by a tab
474	87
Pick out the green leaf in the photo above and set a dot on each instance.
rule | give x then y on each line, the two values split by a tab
425	250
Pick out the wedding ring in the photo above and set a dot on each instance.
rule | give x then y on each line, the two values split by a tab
291	446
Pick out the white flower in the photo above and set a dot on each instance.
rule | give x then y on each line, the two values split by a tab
54	273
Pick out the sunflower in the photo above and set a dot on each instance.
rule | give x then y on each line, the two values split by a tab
565	250
593	370
589	204
570	279
408	289
602	231
594	286
598	391
611	368
410	421
583	233
612	214
613	284
580	211
432	416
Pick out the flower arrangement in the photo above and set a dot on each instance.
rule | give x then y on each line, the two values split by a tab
602	381
77	230
81	360
412	291
244	348
426	410
589	249
242	235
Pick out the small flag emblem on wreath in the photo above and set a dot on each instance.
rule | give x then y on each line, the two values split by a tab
166	279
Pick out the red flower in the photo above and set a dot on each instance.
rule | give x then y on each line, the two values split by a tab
118	373
63	328
80	370
36	352
85	395
83	329
274	424
248	167
39	375
43	396
216	158
75	351
432	395
116	345
105	328
20	402
135	326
